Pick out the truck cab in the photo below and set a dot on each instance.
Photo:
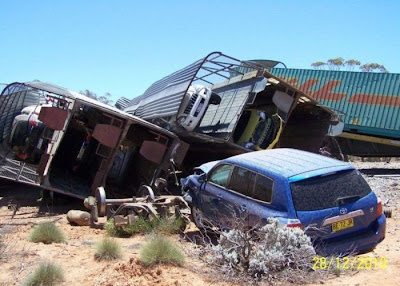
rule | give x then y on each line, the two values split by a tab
194	105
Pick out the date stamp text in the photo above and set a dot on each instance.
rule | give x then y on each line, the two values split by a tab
349	263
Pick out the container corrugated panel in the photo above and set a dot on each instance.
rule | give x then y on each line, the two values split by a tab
222	118
122	103
369	101
163	98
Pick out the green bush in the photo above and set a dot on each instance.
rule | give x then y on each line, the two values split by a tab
172	225
160	249
47	233
111	229
46	275
141	225
108	249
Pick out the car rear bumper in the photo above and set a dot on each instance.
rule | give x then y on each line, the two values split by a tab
360	243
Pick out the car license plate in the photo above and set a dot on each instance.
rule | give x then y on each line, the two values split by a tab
342	224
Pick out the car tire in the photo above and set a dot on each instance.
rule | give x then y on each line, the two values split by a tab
197	218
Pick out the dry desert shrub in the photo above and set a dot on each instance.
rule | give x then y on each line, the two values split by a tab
272	253
47	274
161	250
108	249
47	233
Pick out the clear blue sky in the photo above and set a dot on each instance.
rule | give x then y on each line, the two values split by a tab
122	47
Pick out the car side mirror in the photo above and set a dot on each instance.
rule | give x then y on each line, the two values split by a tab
202	178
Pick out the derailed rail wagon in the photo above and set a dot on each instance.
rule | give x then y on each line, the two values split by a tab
222	111
65	142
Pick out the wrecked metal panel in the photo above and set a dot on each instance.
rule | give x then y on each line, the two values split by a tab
167	93
164	98
252	112
153	151
107	134
43	163
52	88
78	166
53	117
223	117
179	151
122	103
305	133
165	106
39	86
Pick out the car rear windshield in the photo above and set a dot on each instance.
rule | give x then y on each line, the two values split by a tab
329	191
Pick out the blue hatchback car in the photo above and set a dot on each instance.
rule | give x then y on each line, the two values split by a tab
328	198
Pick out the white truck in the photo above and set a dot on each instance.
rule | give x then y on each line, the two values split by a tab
194	105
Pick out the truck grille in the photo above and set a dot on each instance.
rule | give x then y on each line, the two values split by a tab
191	103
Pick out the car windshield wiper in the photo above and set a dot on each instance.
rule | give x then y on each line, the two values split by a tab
346	200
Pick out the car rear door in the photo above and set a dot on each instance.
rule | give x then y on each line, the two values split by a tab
335	206
263	204
247	202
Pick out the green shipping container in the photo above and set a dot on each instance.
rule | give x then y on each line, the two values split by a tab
369	102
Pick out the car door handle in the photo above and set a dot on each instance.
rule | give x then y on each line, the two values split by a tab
217	199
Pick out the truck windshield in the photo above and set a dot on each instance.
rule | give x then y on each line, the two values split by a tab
329	191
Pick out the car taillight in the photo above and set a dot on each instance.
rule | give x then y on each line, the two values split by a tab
379	208
294	223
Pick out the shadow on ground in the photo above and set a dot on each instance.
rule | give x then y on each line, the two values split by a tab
201	237
18	198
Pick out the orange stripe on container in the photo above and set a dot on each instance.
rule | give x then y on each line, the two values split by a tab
329	95
324	92
384	100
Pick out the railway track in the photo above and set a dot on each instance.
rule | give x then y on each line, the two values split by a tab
380	172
